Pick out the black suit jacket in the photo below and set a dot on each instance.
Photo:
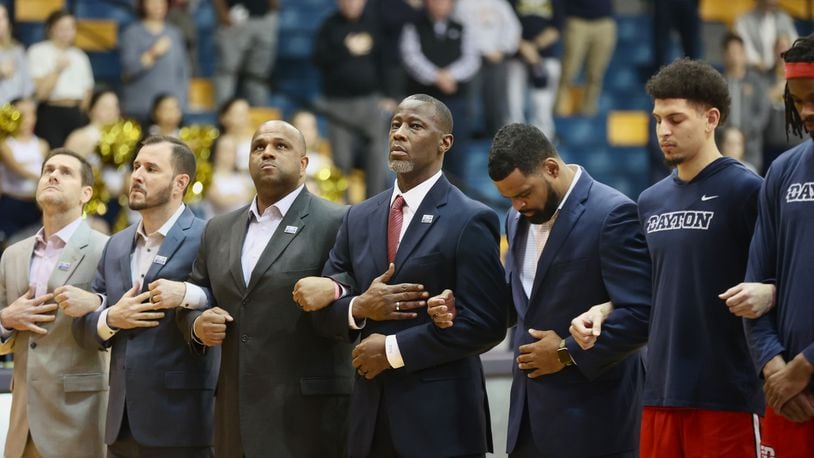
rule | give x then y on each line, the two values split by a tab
283	389
436	404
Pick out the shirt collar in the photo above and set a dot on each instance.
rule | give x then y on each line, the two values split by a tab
163	230
63	234
415	196
283	205
577	172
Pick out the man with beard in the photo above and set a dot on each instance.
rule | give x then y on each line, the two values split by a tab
702	395
283	389
60	389
782	340
573	243
161	392
420	389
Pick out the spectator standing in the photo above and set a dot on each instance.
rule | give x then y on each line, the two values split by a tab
590	38
391	16
681	16
760	29
536	68
63	79
165	116
346	52
497	39
15	82
246	42
441	57
154	60
750	106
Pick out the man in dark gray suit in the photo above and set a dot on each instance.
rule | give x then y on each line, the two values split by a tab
283	389
161	392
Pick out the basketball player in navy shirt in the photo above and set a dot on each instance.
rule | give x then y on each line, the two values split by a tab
782	340
701	393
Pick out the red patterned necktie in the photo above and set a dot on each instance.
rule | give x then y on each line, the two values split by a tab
394	227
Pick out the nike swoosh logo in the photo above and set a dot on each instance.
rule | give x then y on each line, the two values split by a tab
705	198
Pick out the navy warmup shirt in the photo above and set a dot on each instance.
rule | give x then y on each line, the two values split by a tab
781	252
698	234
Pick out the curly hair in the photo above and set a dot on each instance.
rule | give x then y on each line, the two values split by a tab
694	81
801	51
518	146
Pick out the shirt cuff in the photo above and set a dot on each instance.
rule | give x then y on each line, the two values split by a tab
5	334
391	350
193	335
194	297
105	332
352	322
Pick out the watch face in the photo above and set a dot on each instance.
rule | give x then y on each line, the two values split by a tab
564	356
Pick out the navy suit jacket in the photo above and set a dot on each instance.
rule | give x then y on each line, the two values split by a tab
595	252
436	404
168	388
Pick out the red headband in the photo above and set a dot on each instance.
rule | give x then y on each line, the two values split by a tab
799	70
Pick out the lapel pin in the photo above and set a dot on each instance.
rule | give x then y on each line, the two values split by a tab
426	219
160	260
64	265
290	229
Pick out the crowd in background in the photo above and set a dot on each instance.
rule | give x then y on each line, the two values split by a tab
490	61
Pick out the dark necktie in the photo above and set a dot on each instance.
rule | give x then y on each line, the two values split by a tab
394	227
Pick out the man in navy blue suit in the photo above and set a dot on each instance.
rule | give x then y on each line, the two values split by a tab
573	243
420	389
161	392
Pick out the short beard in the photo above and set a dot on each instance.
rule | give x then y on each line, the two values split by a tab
161	197
551	205
401	166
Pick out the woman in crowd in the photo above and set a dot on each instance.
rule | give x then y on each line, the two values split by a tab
63	79
154	60
21	156
15	82
236	129
165	116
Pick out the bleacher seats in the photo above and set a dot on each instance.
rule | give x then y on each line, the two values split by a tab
35	10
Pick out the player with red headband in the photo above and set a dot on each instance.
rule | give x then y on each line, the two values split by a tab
782	340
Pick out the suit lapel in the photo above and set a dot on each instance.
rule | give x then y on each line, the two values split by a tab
424	218
71	256
175	237
289	228
236	239
22	266
567	218
516	231
377	224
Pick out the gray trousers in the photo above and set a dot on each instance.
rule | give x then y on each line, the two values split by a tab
247	50
362	129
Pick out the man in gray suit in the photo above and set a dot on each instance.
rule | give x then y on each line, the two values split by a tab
161	393
283	390
59	389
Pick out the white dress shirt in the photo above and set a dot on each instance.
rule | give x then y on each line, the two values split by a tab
144	255
44	260
412	200
261	229
537	238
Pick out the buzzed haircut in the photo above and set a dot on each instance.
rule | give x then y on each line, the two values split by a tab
518	146
85	169
801	51
442	112
692	80
183	159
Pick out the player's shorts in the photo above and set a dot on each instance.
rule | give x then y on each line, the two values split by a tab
678	432
781	438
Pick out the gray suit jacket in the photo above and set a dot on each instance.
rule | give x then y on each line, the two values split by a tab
59	390
283	389
167	389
